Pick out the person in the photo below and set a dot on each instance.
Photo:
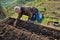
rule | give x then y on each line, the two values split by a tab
31	12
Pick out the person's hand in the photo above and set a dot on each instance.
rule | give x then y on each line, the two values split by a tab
14	24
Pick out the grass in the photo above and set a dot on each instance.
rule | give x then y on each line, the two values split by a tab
40	7
16	15
46	19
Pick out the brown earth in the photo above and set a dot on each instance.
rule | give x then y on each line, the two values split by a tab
8	32
26	31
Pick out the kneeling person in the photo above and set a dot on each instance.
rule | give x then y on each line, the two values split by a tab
31	12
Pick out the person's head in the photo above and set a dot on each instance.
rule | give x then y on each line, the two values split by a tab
17	9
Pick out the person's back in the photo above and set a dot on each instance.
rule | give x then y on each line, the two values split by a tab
28	10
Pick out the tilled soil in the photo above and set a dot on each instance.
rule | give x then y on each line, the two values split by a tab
27	31
8	32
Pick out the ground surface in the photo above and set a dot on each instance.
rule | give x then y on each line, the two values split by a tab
26	31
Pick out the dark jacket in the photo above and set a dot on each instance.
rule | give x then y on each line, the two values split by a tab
28	11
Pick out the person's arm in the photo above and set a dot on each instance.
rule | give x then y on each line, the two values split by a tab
32	12
19	16
30	15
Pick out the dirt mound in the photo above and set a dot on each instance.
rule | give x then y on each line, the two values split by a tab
8	32
26	31
35	28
